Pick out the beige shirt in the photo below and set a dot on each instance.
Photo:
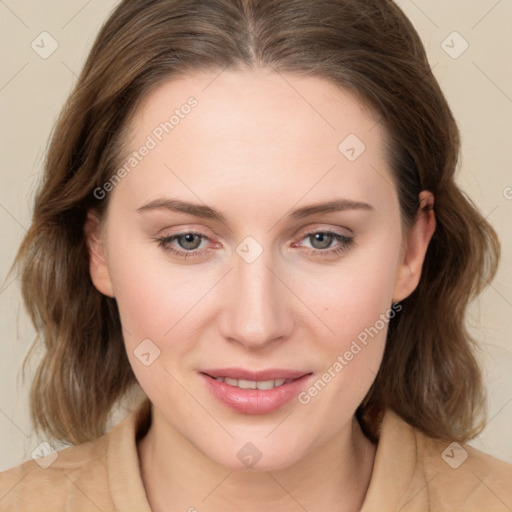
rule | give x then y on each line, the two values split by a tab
411	473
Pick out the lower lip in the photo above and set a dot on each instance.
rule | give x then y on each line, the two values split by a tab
255	401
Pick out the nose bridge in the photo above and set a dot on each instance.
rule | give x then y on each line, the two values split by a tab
258	309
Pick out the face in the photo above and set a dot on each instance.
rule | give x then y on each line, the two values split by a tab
257	238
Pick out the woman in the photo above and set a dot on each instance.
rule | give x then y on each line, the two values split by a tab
249	211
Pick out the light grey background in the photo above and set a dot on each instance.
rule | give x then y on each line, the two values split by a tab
477	83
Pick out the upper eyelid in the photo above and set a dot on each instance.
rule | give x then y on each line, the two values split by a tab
320	227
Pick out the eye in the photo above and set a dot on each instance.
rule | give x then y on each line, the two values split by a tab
322	242
184	245
188	244
189	241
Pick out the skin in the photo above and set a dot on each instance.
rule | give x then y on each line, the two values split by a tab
257	146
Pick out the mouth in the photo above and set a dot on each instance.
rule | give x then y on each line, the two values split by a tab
251	392
249	379
253	384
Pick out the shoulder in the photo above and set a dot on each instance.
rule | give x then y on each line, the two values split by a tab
46	483
464	478
413	472
100	475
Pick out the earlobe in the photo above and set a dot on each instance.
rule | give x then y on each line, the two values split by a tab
415	248
98	267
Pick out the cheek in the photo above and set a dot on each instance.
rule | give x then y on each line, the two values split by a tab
354	300
352	295
154	305
152	297
357	310
152	301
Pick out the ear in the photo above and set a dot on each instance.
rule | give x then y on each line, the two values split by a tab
97	255
415	247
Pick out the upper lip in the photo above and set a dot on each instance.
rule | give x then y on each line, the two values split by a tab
260	375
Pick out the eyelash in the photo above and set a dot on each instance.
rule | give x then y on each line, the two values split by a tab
346	244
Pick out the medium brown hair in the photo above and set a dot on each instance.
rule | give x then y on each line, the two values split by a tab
429	375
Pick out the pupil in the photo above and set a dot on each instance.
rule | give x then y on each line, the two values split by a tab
187	241
323	239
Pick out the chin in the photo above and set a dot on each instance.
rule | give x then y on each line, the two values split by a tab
255	454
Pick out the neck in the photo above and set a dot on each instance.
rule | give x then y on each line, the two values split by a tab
177	476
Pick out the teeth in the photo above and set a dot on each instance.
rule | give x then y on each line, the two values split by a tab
253	384
246	384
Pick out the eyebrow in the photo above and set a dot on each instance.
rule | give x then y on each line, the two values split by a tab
206	212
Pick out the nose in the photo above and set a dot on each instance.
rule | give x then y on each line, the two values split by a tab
257	311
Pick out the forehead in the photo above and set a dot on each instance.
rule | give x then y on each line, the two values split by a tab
256	100
256	132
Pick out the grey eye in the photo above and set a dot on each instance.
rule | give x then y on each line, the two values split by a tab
321	240
189	241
